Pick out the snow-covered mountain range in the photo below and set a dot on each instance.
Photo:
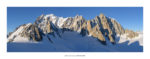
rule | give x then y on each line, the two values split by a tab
74	34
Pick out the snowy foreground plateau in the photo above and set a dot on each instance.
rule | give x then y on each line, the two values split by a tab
73	42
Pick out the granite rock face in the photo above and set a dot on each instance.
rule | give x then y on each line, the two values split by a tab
131	34
29	31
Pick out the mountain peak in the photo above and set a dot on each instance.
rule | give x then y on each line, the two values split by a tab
49	14
101	15
79	16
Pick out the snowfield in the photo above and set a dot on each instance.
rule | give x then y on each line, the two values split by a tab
74	42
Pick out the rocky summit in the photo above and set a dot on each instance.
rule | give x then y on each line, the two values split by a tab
101	27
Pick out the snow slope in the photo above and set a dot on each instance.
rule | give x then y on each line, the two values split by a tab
16	37
138	39
72	42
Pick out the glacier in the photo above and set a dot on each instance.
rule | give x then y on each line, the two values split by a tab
73	42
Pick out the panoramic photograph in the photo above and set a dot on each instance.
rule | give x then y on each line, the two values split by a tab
74	29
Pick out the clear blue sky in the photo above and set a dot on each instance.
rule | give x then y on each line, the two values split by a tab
128	17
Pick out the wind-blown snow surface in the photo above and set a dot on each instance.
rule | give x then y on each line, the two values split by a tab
73	42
